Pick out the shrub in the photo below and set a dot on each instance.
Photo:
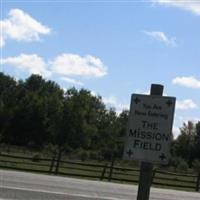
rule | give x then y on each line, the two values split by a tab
84	156
196	165
36	158
174	161
182	166
81	154
93	155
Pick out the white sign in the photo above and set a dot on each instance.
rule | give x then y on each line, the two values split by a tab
150	128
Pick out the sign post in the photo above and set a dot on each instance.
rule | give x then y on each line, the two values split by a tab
149	134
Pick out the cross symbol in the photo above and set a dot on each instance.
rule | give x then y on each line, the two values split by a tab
162	156
169	103
136	100
129	153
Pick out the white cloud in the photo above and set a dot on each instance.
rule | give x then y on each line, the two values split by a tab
176	131
161	36
20	26
31	63
2	42
93	93
112	101
186	104
71	80
190	82
65	66
75	65
191	5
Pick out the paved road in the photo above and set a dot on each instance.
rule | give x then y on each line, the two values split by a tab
28	186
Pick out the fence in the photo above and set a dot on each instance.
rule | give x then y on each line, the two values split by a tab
106	172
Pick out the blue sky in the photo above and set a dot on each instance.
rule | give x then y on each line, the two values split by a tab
113	48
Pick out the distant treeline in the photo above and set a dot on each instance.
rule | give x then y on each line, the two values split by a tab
37	113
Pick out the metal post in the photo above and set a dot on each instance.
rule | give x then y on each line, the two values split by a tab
146	169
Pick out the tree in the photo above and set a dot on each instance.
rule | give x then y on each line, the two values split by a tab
37	108
122	123
198	128
85	110
37	113
8	102
197	141
185	143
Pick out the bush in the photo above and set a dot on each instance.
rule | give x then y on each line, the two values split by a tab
174	161
36	158
196	165
84	156
93	155
107	154
182	166
81	154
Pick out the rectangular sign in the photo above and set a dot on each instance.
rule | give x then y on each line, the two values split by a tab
150	128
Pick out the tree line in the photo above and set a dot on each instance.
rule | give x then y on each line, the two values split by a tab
37	113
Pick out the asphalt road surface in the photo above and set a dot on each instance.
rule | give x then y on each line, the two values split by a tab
28	186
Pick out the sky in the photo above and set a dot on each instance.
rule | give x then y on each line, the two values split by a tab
112	48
